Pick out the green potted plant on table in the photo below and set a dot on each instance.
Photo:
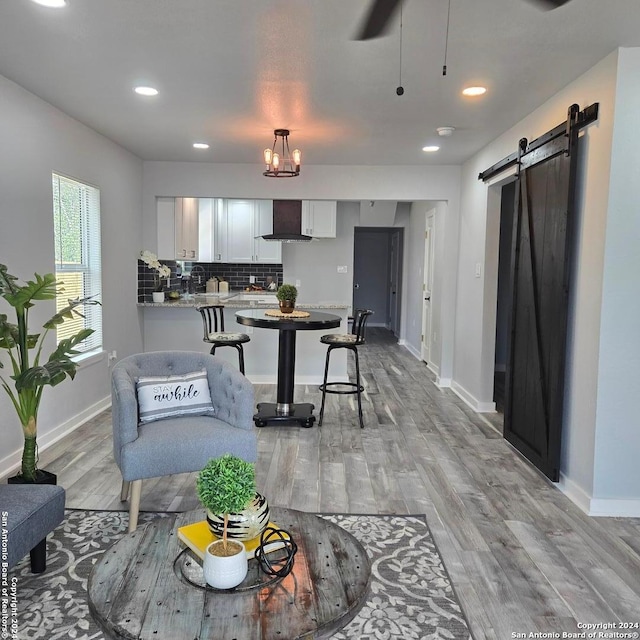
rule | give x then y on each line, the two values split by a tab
287	295
226	487
30	377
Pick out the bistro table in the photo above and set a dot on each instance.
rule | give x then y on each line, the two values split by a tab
284	410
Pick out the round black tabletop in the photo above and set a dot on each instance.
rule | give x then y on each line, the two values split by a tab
315	320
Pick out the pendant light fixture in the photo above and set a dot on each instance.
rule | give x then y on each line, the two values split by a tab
281	164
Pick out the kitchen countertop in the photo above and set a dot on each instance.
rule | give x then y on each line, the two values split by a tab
238	300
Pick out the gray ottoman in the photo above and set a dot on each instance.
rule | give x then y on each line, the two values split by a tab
32	511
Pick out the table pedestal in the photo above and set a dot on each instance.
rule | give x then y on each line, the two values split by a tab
284	410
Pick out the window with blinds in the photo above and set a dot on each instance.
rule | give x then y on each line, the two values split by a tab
76	221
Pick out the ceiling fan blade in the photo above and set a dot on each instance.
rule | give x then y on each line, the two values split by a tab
550	4
379	19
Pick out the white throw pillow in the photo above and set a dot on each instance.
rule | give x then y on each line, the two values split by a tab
169	396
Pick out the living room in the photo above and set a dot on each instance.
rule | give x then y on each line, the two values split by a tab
601	441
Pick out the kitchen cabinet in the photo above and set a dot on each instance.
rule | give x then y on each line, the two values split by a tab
244	222
265	250
319	218
187	231
210	219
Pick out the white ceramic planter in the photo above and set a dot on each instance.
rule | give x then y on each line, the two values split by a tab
225	572
158	296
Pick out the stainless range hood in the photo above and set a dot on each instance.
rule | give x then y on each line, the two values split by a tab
287	222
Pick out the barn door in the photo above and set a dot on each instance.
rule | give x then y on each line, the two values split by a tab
541	242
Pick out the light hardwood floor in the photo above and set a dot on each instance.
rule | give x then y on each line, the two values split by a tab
521	556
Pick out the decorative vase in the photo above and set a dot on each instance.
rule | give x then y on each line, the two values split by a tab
223	571
245	525
287	306
158	296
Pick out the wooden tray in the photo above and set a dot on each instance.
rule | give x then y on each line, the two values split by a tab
294	314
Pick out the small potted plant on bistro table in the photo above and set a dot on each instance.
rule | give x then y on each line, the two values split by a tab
287	295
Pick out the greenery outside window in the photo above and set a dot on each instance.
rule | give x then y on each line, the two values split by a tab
78	263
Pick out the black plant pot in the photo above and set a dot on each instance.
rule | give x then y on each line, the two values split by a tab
42	477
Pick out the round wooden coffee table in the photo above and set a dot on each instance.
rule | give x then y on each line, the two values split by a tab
135	593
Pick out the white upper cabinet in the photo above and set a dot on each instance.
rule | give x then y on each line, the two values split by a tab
216	230
265	250
186	229
245	222
319	218
239	230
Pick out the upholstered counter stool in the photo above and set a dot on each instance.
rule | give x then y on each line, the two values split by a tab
214	333
349	341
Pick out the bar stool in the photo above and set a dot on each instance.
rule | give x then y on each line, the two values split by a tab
349	341
214	333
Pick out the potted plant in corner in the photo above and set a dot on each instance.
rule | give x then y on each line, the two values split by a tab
287	295
226	487
29	377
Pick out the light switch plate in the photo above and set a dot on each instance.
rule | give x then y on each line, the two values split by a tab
343	269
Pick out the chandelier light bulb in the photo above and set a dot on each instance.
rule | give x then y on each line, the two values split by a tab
296	157
276	161
268	155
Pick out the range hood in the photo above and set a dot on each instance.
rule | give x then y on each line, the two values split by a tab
287	222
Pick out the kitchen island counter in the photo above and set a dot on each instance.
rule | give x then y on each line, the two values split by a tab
177	325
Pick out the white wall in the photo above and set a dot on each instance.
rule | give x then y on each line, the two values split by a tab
599	216
617	473
36	140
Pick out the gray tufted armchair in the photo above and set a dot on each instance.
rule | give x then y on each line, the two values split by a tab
180	444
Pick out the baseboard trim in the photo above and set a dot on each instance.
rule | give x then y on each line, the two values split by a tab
435	369
574	492
599	507
474	403
443	383
410	348
11	463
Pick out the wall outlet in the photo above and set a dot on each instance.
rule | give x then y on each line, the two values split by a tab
297	283
113	355
343	269
252	279
478	269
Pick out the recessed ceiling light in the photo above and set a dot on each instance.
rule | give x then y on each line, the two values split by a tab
430	148
146	91
200	145
54	4
474	91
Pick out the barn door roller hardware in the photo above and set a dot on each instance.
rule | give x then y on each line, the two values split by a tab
560	136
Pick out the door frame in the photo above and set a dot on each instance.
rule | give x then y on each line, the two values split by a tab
427	285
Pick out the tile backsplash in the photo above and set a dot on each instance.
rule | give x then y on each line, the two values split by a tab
236	274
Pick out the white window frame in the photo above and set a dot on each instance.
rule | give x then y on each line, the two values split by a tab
90	266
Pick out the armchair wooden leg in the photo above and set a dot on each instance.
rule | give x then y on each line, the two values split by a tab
124	494
134	504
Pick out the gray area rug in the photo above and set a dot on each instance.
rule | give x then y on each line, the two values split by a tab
411	594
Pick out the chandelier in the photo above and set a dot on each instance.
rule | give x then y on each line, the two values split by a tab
279	164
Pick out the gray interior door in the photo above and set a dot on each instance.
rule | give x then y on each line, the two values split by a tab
371	254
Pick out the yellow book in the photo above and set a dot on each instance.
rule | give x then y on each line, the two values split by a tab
198	537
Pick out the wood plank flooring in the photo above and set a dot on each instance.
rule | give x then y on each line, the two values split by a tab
521	556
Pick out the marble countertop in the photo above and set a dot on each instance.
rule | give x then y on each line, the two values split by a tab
238	300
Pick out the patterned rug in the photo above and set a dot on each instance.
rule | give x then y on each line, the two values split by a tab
411	594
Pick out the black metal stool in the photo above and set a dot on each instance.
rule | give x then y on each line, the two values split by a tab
349	341
214	333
